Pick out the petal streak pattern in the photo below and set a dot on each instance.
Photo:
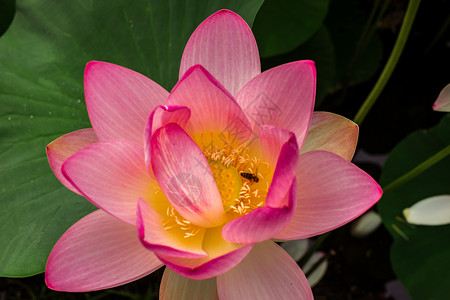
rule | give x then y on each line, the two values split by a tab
159	117
174	286
333	193
282	96
215	110
98	252
332	133
62	148
112	175
119	101
226	47
260	276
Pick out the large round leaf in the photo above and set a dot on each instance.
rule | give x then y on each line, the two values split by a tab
42	59
420	255
282	25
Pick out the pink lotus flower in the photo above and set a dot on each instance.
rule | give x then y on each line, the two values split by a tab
204	178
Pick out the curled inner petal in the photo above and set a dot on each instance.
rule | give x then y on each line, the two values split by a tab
185	177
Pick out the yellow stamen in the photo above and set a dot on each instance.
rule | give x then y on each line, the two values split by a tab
174	220
245	190
242	180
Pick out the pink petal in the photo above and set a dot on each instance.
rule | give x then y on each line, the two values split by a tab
442	103
263	223
222	256
185	177
98	252
268	272
331	193
213	109
63	147
155	238
282	96
112	175
174	286
120	100
226	47
332	133
281	149
159	117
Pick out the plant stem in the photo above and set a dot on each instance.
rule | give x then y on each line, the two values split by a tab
391	63
418	170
